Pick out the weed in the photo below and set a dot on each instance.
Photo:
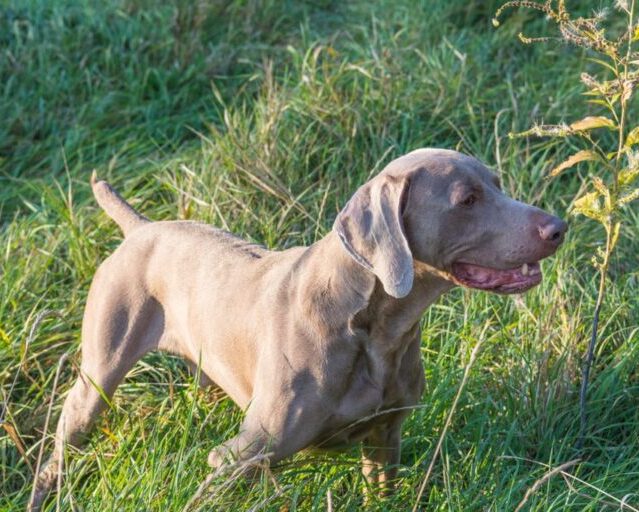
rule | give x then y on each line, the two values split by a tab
613	184
262	117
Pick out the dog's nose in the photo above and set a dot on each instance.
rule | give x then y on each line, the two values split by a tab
553	230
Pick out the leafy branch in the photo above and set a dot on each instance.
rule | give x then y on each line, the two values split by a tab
613	185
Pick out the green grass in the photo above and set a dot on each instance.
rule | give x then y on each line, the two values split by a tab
263	117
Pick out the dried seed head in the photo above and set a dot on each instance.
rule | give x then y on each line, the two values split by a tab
573	36
622	5
529	40
544	130
583	33
524	3
589	81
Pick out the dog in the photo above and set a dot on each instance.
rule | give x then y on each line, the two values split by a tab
319	345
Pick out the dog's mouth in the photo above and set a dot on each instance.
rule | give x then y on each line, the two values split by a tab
514	280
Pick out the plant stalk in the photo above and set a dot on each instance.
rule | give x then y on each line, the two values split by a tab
585	375
609	225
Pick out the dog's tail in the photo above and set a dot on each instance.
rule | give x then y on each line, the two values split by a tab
116	207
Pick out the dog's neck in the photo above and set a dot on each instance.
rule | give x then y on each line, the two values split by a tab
358	294
401	316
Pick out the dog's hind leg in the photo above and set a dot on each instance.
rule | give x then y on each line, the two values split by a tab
118	330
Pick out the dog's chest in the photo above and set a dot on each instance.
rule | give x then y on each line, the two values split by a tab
379	383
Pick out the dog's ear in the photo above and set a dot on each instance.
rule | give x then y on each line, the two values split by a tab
372	231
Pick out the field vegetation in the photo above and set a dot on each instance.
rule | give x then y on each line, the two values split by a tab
262	117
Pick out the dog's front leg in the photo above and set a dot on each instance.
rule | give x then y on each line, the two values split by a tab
249	447
380	457
272	430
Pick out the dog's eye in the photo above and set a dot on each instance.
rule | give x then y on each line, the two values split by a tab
469	200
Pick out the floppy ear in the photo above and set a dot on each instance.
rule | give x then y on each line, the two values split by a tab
371	229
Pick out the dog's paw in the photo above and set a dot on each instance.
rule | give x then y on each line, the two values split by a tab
43	484
219	457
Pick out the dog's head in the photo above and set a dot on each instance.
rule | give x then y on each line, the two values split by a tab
446	210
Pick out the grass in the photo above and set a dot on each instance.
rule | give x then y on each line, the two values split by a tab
263	117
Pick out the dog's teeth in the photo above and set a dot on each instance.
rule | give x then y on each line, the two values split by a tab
524	269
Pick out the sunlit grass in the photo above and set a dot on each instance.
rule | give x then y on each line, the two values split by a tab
262	118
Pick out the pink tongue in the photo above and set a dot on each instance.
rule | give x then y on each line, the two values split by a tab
487	276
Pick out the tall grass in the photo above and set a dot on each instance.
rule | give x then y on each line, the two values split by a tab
616	166
263	117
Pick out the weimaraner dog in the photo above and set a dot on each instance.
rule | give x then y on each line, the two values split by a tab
314	343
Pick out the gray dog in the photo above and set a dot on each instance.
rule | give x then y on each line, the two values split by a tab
314	343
